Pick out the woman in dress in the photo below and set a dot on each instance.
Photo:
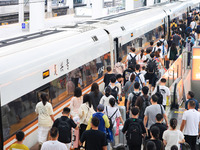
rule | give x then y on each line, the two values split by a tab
44	110
76	101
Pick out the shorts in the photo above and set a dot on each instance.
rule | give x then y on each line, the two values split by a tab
42	134
152	78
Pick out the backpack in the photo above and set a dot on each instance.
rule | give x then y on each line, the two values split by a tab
137	78
185	146
196	18
146	102
114	91
198	29
64	131
110	118
135	96
132	61
174	26
101	126
154	49
159	95
151	66
134	134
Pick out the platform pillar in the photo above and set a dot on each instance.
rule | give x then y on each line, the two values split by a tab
49	9
129	5
37	15
97	8
21	11
71	7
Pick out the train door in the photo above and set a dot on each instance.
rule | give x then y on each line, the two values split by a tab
1	128
117	49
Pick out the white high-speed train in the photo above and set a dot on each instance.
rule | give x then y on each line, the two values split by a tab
61	58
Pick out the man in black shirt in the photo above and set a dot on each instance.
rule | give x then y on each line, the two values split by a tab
134	121
108	75
159	123
64	125
94	139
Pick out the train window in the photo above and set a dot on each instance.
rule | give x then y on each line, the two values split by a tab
21	112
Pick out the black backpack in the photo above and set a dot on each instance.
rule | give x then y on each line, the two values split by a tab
64	131
114	91
135	96
198	29
146	102
151	66
134	134
132	61
110	118
159	95
196	18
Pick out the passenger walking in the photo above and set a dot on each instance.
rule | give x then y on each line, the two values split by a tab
198	30
119	67
127	73
85	112
143	71
190	97
19	144
105	99
113	113
150	48
139	77
76	101
107	76
53	143
152	69
193	24
94	139
128	88
104	122
172	136
177	39
141	58
143	101
173	52
95	95
188	47
159	123
132	97
134	139
190	124
151	112
64	124
131	58
163	46
118	83
154	132
44	110
164	90
114	89
160	63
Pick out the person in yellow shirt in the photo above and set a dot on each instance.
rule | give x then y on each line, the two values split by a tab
104	121
19	144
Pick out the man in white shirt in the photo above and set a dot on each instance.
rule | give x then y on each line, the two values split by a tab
191	124
193	24
163	46
164	90
53	143
131	57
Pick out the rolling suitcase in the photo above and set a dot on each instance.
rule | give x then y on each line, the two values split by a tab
122	110
122	141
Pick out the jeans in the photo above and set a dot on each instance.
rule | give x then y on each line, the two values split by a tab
191	140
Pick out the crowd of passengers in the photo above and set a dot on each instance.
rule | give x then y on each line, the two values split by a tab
136	83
